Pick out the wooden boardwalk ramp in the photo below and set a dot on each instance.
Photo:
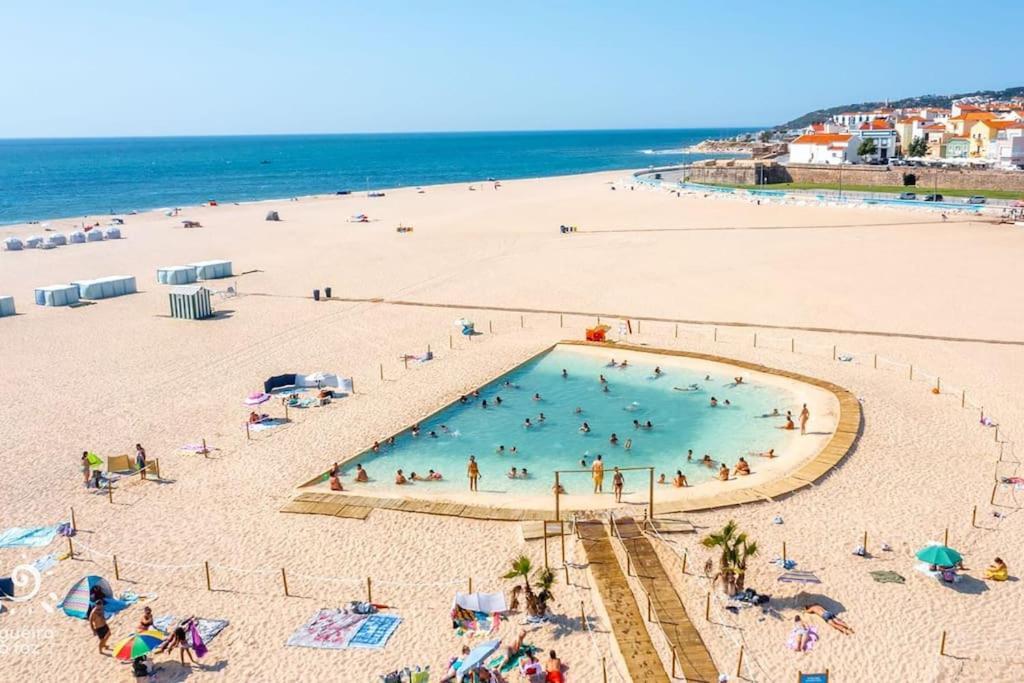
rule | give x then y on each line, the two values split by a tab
627	623
693	656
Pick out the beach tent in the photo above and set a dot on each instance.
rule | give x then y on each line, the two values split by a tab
77	237
488	603
13	244
321	380
57	295
33	242
106	287
176	275
94	236
77	602
57	240
211	270
112	233
190	302
6	306
273	216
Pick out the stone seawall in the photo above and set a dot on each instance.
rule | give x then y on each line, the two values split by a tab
749	172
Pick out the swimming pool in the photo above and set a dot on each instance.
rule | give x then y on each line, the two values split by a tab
681	420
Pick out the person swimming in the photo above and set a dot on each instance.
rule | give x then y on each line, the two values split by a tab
497	400
400	478
714	402
661	479
483	404
500	450
613	439
689	387
527	423
707	461
512	473
689	455
623	364
432	435
536	397
565	373
523	474
585	428
541	418
578	411
463	399
636	424
361	475
612	363
727	402
434	476
679	481
415	430
605	389
648	425
657	371
514	450
601	379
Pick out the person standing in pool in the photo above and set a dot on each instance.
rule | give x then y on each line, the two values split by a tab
565	374
597	471
473	472
617	482
805	415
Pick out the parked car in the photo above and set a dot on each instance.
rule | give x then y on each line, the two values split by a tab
933	198
908	195
976	199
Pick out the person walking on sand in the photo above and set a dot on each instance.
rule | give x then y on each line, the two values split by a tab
597	470
473	472
98	624
617	482
140	460
805	415
86	468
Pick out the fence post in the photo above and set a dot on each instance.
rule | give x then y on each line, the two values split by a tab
974	516
833	352
110	491
74	527
942	645
381	372
739	663
876	361
677	330
963	398
117	570
544	526
707	608
369	589
783	551
583	616
638	325
755	340
911	372
284	580
865	543
522	323
405	361
490	326
206	568
715	338
561	321
451	344
206	451
792	345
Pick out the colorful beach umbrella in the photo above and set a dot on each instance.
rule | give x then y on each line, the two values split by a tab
139	644
939	555
256	398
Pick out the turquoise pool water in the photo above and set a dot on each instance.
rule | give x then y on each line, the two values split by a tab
681	420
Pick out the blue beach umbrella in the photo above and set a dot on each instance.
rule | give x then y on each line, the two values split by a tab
476	657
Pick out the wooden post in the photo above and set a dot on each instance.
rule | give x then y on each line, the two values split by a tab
783	552
206	568
369	589
561	320
650	493
157	462
604	671
206	451
544	525
992	500
561	533
451	344
598	320
405	361
942	645
974	516
247	435
963	398
566	568
522	323
833	352
117	570
997	433
755	340
707	608
74	527
638	325
685	555
71	549
876	361
864	544
284	580
938	385
110	491
490	326
381	372
792	345
911	372
583	616
470	584
739	663
945	538
677	330
715	338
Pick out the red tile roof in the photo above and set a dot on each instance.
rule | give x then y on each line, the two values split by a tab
821	139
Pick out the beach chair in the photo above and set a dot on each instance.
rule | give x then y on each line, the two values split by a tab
119	463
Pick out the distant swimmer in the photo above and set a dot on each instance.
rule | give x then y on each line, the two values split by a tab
714	402
514	450
512	473
657	371
661	479
565	373
536	397
679	481
770	453
737	380
400	478
623	364
613	439
605	388
483	404
585	428
612	363
527	423
578	411
434	476
500	450
689	455
690	387
541	418
707	461
497	400
601	379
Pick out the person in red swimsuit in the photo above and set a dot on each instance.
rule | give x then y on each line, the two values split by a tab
553	669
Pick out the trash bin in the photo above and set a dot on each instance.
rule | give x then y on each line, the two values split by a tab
327	292
316	295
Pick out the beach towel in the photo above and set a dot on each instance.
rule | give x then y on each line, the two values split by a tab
513	661
267	424
45	563
887	577
328	629
809	641
207	628
31	537
799	577
198	646
375	631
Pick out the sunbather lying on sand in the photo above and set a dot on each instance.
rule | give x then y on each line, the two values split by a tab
830	618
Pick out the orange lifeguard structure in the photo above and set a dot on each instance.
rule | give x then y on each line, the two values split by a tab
597	333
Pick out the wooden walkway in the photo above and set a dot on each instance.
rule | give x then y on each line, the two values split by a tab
627	623
694	659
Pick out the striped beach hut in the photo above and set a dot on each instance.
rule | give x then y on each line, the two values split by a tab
6	305
190	302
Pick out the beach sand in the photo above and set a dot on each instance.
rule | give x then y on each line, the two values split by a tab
106	376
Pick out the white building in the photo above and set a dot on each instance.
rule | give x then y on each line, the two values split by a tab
884	136
823	148
1007	150
853	119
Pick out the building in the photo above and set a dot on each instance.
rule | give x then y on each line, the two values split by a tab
852	119
1007	149
961	125
883	135
190	302
823	148
956	148
984	131
935	135
907	129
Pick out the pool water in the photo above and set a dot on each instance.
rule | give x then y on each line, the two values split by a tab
681	420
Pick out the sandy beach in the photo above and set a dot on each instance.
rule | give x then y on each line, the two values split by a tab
942	297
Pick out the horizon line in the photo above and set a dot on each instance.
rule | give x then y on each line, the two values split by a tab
367	133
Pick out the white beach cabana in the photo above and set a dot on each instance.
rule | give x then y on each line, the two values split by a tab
13	244
6	306
190	302
57	295
212	270
56	239
94	235
176	275
106	287
76	237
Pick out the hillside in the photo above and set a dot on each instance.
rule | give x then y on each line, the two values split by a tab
918	101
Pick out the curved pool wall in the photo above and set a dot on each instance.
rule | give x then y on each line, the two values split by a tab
681	421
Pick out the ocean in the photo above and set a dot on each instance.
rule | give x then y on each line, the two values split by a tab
54	178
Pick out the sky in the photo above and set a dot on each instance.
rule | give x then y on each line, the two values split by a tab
214	67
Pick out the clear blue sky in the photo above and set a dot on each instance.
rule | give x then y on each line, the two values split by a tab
157	67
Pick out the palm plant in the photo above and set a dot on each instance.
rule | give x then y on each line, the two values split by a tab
734	551
536	603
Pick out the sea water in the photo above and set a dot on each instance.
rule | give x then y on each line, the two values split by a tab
681	420
42	179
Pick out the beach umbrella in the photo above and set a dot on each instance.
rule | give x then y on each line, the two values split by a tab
476	657
939	555
256	398
139	644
